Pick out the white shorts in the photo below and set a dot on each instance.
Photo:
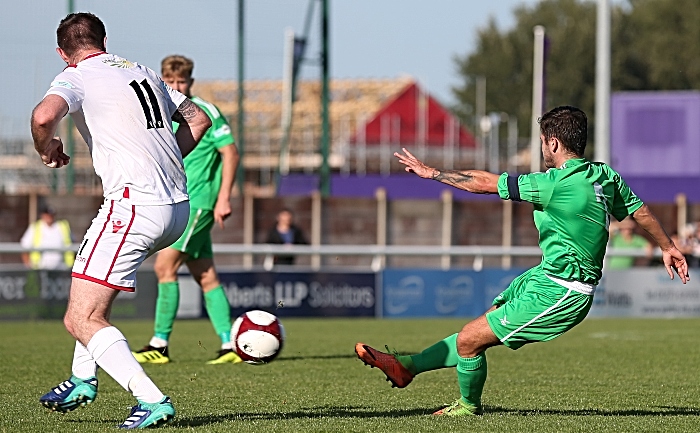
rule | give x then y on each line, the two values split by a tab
122	236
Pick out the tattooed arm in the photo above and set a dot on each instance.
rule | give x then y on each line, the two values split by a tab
476	181
193	124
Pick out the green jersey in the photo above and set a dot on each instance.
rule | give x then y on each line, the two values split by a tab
618	241
573	205
203	164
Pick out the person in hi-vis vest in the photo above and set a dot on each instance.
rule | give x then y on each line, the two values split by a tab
48	233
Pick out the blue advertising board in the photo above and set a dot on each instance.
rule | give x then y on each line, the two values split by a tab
307	294
435	293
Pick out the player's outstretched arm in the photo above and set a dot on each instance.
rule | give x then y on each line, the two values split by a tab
476	181
44	122
672	257
194	122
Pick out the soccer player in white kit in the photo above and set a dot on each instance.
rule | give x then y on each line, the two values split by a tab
123	111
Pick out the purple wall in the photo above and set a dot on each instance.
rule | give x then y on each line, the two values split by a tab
651	189
298	184
664	189
656	133
398	186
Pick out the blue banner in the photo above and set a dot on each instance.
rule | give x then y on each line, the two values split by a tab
433	293
307	294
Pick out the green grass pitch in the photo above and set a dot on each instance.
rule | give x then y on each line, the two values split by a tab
604	376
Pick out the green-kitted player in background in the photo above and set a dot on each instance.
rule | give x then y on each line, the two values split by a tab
211	170
573	203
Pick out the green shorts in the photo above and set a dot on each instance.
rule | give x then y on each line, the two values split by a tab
196	240
534	308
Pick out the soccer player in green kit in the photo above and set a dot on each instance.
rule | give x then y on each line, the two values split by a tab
573	202
211	170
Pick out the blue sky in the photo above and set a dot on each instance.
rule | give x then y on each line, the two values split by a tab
369	38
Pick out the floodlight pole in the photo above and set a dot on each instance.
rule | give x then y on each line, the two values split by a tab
287	101
70	141
537	103
240	173
290	76
602	84
325	124
480	158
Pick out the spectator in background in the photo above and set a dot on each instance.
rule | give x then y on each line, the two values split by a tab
285	232
625	237
692	244
684	245
48	233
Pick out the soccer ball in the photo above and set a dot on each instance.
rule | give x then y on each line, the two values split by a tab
258	336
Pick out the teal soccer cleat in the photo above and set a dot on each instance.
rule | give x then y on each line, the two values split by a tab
149	414
71	394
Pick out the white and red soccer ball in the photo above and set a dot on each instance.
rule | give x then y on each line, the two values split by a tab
258	336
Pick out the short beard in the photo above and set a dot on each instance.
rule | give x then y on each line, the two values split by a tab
548	161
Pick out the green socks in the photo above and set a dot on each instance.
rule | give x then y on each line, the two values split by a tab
442	354
216	304
471	375
219	312
471	372
166	309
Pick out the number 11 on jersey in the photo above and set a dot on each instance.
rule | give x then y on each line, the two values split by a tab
154	119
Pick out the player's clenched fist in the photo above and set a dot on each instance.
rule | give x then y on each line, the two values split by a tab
53	156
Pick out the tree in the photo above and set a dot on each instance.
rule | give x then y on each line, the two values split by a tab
505	60
654	47
660	49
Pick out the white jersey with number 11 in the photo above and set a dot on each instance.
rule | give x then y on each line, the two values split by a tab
123	110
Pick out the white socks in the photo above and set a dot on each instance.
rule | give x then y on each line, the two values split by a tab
158	342
84	367
144	389
110	351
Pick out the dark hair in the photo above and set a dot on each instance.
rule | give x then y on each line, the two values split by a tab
47	209
567	124
81	30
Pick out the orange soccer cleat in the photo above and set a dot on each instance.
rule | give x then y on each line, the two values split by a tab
395	372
